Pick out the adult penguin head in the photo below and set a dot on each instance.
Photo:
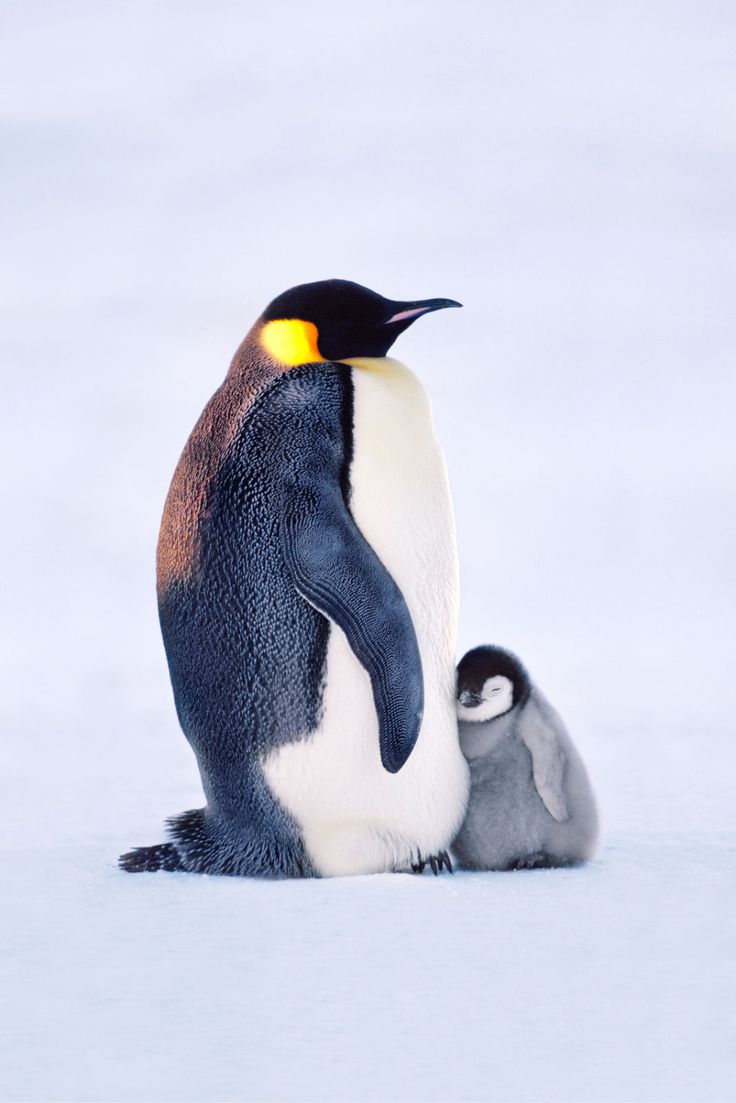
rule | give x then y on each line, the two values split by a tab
337	320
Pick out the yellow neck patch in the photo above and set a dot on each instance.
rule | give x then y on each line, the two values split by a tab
291	341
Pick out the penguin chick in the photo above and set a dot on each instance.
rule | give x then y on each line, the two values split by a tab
531	802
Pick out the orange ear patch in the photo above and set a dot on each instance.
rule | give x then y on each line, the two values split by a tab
291	341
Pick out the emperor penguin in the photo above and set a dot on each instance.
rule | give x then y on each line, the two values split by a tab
308	597
531	801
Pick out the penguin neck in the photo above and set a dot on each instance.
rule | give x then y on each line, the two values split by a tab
384	366
391	376
252	363
480	739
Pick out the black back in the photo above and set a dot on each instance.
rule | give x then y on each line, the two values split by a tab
246	653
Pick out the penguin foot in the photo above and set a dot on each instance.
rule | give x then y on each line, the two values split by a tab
149	859
538	860
436	863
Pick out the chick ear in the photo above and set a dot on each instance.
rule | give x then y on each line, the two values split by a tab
548	757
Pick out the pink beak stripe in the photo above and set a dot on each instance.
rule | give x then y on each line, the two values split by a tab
404	314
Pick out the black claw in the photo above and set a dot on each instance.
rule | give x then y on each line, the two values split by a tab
436	862
418	866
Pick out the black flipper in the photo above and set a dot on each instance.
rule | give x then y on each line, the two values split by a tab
338	572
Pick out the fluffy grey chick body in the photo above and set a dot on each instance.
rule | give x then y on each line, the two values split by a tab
531	801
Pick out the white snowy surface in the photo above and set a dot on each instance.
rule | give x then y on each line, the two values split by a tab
606	983
568	171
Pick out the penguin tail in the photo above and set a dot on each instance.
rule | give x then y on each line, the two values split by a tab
149	859
202	843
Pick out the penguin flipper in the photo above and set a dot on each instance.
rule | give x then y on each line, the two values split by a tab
548	759
337	571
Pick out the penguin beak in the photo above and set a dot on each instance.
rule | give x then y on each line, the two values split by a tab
470	700
407	312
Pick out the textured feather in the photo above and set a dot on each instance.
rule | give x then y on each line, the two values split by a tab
548	755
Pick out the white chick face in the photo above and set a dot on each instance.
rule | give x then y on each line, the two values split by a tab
495	698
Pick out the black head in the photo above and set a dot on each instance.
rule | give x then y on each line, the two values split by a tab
337	320
482	663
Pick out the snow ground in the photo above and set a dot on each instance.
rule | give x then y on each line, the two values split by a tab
568	171
605	983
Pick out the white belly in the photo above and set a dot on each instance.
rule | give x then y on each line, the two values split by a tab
354	815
